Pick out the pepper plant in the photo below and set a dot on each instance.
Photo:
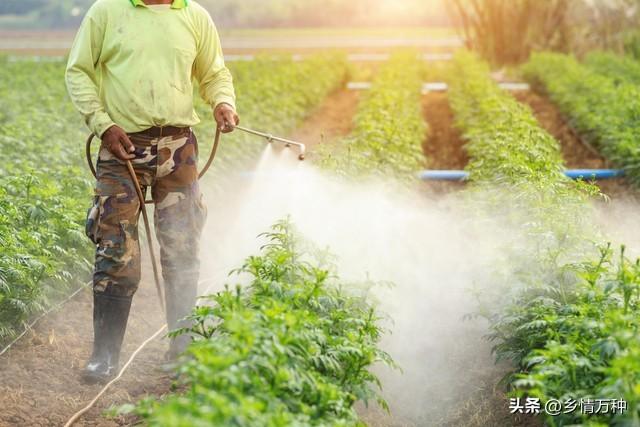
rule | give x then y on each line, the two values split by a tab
623	69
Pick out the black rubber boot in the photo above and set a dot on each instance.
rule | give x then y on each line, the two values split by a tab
179	305
110	315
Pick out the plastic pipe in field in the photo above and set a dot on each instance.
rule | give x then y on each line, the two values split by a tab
585	174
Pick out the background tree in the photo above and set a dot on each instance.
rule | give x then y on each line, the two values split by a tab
506	31
606	24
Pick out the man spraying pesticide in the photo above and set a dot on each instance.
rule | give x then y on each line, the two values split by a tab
130	74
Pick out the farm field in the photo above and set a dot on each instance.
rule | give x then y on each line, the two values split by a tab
247	41
375	294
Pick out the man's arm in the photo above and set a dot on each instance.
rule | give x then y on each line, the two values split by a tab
216	83
81	78
82	85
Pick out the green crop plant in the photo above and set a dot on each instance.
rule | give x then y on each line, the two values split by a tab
389	126
42	248
290	348
43	191
623	69
46	187
516	178
602	109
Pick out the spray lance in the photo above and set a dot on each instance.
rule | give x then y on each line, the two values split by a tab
270	138
154	263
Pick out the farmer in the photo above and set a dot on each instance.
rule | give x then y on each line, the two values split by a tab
130	74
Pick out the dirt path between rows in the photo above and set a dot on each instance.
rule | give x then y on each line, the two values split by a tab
330	121
576	153
486	402
40	381
443	145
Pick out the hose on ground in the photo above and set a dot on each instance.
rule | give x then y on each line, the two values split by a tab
75	417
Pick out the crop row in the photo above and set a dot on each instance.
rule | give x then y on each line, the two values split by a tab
45	187
513	162
623	69
291	347
388	126
568	315
43	192
506	143
602	109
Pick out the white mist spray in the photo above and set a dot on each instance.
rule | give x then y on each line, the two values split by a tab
427	247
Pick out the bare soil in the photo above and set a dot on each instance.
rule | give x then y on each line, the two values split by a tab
577	153
331	120
443	145
485	402
40	376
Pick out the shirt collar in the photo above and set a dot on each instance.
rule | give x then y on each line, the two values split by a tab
177	4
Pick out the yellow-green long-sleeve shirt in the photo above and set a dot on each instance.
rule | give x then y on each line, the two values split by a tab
134	65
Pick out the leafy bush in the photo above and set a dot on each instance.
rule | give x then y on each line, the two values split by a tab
291	348
603	110
389	126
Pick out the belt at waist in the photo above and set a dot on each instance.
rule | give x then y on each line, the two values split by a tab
159	132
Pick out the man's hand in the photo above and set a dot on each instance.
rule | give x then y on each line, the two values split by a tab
226	117
118	143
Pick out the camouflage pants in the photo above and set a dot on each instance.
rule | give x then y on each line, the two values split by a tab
168	166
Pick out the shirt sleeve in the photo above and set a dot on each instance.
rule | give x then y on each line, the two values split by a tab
81	74
214	78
